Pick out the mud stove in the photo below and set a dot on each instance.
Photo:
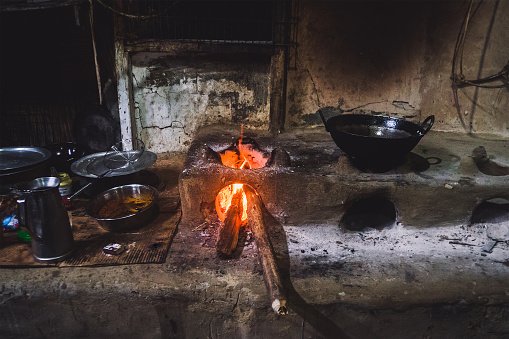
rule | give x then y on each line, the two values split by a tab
307	179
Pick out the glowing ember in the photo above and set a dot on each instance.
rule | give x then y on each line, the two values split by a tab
243	155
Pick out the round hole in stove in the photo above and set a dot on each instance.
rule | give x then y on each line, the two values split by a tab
369	213
492	211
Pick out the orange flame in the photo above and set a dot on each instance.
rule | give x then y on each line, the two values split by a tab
224	201
243	157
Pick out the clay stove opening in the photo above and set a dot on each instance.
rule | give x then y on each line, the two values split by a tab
491	211
487	165
231	202
243	154
369	213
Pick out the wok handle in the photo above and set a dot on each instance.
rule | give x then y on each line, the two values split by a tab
428	123
323	119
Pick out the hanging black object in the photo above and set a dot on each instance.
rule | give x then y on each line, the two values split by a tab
95	130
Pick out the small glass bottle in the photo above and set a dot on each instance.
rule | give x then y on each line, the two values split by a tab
65	189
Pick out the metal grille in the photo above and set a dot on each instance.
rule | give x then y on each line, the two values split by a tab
227	21
36	124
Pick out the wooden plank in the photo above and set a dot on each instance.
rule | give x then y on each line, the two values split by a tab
279	66
277	95
179	47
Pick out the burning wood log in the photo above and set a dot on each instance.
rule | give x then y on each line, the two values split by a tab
266	252
229	231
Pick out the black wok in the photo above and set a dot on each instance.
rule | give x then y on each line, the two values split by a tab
376	142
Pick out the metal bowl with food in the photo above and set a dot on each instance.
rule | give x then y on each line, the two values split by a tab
124	208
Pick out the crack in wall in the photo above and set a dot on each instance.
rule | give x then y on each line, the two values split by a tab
315	88
183	127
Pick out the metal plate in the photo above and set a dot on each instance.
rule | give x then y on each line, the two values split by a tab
18	158
82	166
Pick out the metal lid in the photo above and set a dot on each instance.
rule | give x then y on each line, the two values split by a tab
94	162
18	158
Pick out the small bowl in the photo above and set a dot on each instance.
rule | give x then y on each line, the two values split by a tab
124	208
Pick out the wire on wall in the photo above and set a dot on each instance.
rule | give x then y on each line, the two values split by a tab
497	80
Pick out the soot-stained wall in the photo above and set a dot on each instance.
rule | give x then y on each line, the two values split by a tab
396	57
176	95
387	56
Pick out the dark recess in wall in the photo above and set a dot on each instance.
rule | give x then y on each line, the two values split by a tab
47	71
201	20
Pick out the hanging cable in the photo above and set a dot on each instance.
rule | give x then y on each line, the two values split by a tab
457	75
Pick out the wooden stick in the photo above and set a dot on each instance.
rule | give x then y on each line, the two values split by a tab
94	49
229	231
266	252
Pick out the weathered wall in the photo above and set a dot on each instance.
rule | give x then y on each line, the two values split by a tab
396	57
386	56
176	95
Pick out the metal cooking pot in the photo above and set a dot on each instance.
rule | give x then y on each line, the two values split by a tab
104	207
375	142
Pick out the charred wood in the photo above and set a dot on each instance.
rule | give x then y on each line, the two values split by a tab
228	235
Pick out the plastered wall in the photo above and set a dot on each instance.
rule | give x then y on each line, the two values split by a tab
396	57
176	95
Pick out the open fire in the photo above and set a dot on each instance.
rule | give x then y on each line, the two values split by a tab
237	205
231	202
242	155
